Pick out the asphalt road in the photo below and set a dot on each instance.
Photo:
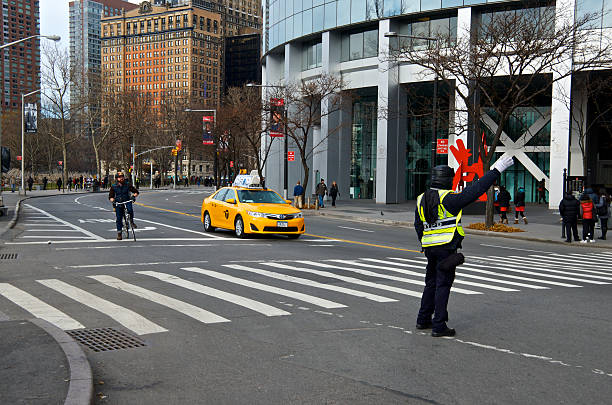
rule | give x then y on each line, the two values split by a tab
327	318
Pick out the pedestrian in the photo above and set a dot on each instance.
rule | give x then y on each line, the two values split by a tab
321	191
603	212
13	184
569	208
59	183
30	183
519	205
504	204
69	183
587	211
333	192
496	200
298	193
542	190
438	227
44	181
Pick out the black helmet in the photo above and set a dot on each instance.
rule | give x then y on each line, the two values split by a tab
442	177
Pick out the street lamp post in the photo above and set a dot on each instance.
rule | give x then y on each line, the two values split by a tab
216	161
285	146
434	128
23	96
2	47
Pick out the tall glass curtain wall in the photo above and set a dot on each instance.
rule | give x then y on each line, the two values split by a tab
363	147
518	176
421	138
290	19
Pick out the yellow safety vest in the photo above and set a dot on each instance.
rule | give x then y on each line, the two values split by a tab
443	230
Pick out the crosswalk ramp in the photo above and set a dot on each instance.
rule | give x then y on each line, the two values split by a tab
133	300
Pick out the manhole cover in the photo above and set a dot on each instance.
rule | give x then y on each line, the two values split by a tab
8	256
105	339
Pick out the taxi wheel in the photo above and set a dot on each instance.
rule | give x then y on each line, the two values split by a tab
239	228
207	224
294	235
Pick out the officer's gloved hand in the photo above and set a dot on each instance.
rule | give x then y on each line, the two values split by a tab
503	163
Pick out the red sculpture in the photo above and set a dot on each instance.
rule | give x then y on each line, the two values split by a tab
466	172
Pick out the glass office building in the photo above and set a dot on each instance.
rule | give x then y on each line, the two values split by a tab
388	157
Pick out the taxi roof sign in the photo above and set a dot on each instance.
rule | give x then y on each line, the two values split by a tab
247	180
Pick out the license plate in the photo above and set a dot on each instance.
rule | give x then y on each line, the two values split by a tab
282	224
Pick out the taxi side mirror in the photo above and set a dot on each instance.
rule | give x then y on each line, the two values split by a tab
230	201
289	201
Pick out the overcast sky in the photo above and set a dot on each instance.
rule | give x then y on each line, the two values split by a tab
54	18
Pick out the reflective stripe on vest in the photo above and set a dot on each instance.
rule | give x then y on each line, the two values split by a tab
443	230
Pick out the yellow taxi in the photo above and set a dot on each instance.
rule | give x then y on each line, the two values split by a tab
247	208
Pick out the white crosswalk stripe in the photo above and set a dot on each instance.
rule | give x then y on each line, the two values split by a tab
584	270
495	280
179	306
385	262
39	308
264	287
128	318
311	283
253	305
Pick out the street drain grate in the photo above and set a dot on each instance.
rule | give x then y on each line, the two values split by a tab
105	339
8	256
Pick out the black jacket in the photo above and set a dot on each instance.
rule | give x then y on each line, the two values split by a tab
503	198
455	202
519	199
569	208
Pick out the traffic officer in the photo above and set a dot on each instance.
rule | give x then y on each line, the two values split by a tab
438	226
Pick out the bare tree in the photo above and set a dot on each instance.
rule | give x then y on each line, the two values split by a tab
308	102
58	75
512	58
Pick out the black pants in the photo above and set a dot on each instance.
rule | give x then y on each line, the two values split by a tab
437	290
333	200
588	226
516	214
604	227
571	228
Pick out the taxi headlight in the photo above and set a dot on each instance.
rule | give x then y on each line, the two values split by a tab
299	215
256	214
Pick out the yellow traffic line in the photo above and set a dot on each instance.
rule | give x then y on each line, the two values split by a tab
307	234
362	243
163	209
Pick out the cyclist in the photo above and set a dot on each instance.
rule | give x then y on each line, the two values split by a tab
120	192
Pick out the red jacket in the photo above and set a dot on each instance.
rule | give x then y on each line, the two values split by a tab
587	209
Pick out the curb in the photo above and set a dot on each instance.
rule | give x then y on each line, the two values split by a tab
407	224
80	389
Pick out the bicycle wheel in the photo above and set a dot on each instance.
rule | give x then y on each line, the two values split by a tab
126	225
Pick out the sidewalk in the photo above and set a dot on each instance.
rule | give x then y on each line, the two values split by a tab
41	363
544	224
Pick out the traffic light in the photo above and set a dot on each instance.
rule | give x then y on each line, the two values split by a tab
179	144
174	152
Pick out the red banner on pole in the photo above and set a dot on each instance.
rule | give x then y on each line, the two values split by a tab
442	146
209	122
277	122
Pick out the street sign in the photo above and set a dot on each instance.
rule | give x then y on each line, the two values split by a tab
290	156
442	146
19	158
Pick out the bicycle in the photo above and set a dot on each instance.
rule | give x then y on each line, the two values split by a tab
127	224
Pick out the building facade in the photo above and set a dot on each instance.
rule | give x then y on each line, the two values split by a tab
375	156
21	63
242	60
164	52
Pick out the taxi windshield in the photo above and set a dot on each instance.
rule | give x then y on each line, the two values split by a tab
260	196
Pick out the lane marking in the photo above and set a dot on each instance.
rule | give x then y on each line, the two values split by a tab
355	229
264	287
84	231
192	311
93	266
167	210
52	230
311	283
39	308
265	309
351	280
114	241
208	235
128	318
